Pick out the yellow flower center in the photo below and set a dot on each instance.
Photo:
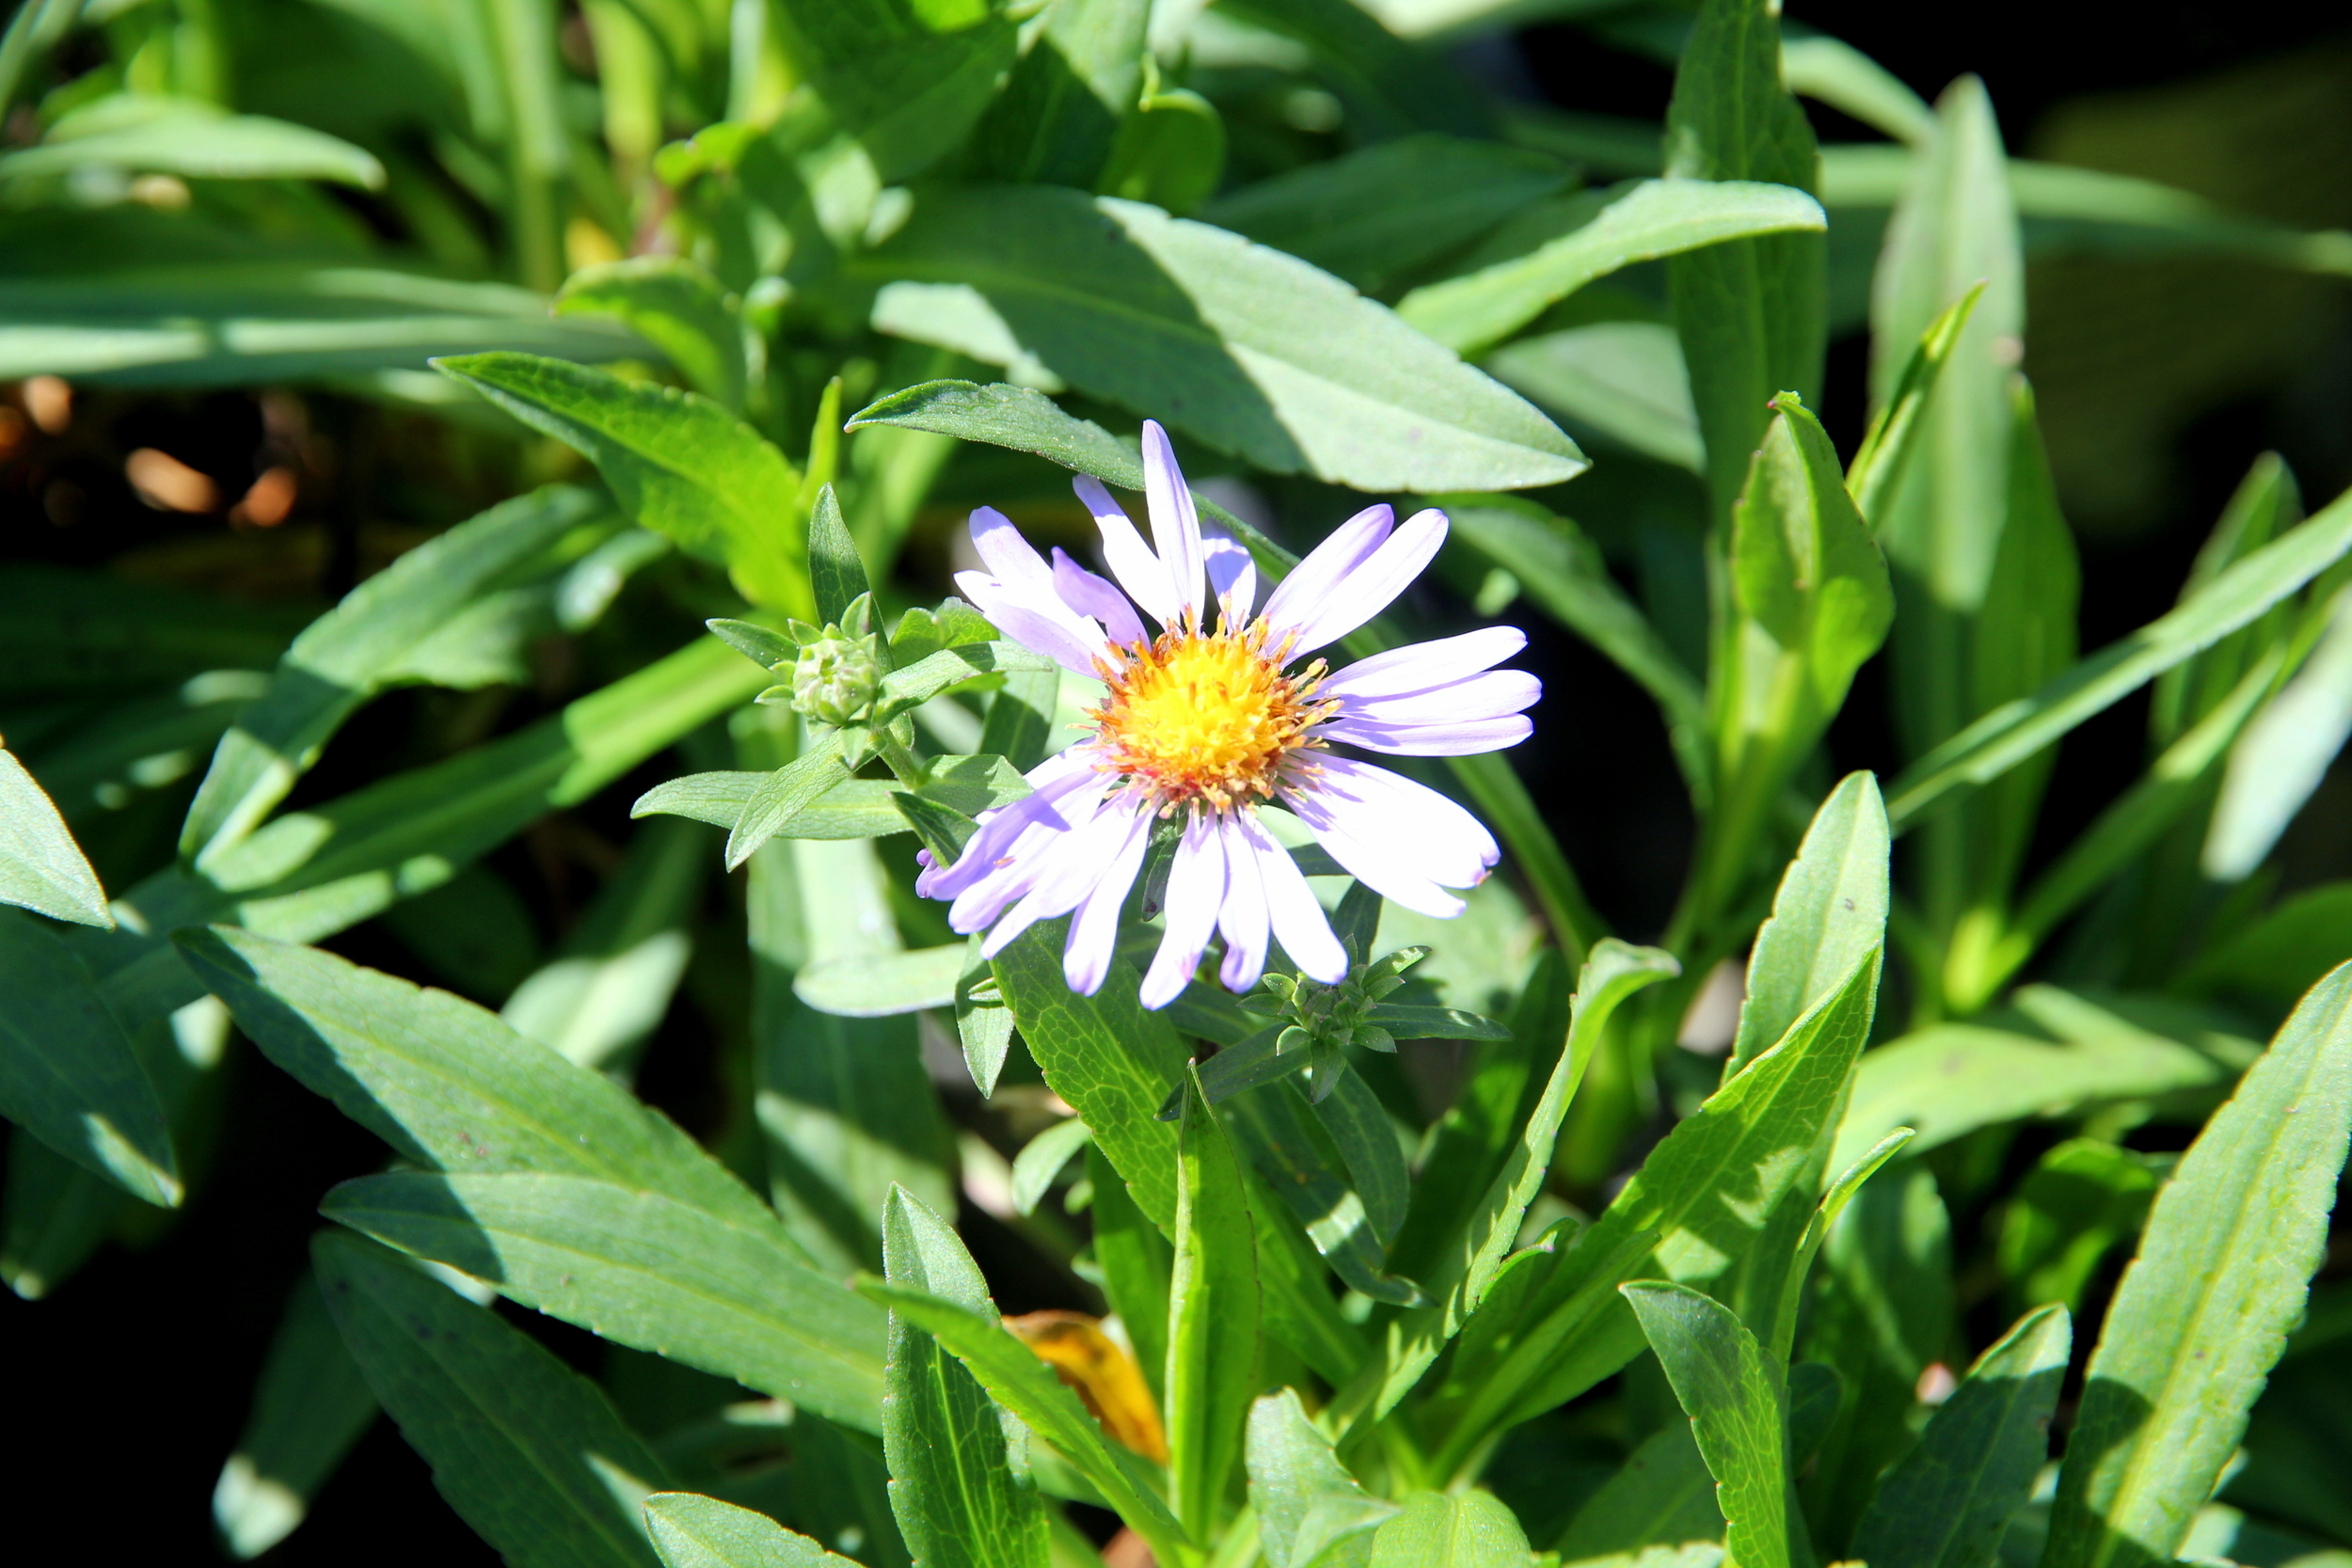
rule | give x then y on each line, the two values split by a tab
1206	721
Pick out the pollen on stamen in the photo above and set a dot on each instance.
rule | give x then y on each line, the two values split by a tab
1199	722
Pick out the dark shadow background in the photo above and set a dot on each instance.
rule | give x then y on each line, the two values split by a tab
141	1369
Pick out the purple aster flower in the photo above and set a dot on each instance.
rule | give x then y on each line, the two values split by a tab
1201	726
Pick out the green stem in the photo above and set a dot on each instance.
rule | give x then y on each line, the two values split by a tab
539	150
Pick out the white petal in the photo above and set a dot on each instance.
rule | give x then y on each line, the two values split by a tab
1299	923
1390	867
1431	740
1376	806
1368	589
1196	887
1175	524
1085	958
1065	874
1095	597
1130	558
1242	915
1493	695
1008	555
1052	783
1047	627
1348	545
1420	666
1233	574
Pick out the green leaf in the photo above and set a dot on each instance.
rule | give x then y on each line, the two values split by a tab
1898	428
70	1073
2204	1308
847	1113
2058	1053
2016	731
1944	1503
1465	1146
1042	1160
1025	1385
310	1407
1058	113
378	636
138	746
1829	914
677	463
1359	1124
1020	717
771	650
1309	1509
928	677
1381	212
1463	1274
448	1084
1625	379
1755	1135
677	305
984	1023
836	575
1136	1260
692	1531
41	868
1736	1403
179	136
2265	504
2279	759
1389	85
1170	152
1661	1496
1811	602
962	1500
58	1212
1471	1531
1213	1318
779	801
1752	314
1835	73
907	79
1549	252
718	1292
236	325
1942	521
1304	1171
2082	1199
1253	352
609	984
2277	958
854	808
529	1453
878	985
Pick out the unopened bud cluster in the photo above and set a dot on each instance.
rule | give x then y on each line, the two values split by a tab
837	676
1324	1018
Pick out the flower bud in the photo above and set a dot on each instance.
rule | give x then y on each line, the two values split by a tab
837	676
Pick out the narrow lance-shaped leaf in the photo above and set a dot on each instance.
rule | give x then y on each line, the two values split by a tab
1830	910
70	1074
1944	1503
1753	312
1024	1385
835	572
1253	352
2203	1310
1305	1499
2016	731
41	868
677	463
371	640
788	792
1463	1275
694	1532
1555	250
529	1453
1737	1403
1661	1496
677	305
958	1488
309	1406
1212	1317
1897	428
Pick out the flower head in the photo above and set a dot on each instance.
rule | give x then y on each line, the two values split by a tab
1221	710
